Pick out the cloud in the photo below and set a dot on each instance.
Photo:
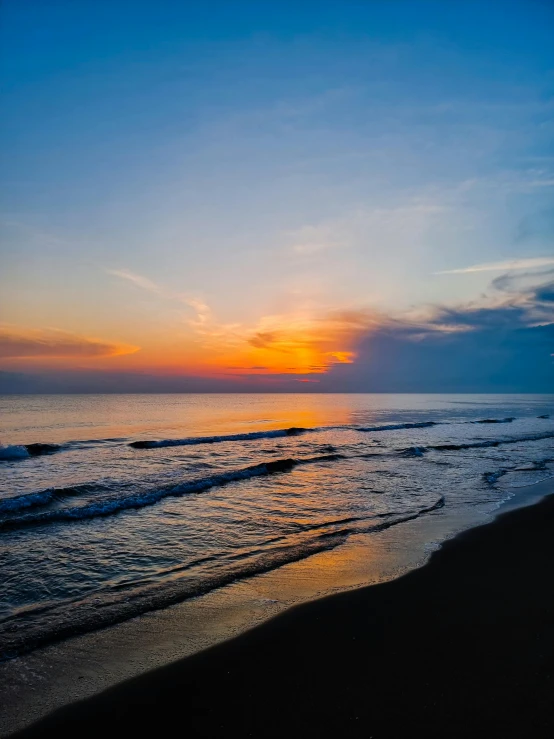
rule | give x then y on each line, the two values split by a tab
529	263
307	342
503	341
202	310
49	343
294	343
493	357
522	282
266	340
138	280
494	345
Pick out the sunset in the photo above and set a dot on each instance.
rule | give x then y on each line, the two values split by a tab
276	368
253	194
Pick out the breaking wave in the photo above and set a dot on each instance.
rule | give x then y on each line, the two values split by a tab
191	440
41	498
492	442
13	451
110	506
24	451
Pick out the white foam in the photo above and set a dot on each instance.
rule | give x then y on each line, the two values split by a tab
14	451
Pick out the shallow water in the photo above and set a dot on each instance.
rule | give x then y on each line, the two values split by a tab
217	488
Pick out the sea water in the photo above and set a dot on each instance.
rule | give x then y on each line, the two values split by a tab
113	506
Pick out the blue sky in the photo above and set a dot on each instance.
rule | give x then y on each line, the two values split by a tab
180	179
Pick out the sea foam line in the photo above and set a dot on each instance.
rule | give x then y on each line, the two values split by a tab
44	497
29	500
24	451
141	500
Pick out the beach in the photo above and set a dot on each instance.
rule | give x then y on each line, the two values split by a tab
277	370
463	646
137	532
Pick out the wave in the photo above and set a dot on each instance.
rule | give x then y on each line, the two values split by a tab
492	442
419	451
468	445
110	506
413	451
400	426
36	450
86	616
537	465
13	451
64	622
293	431
19	502
440	503
24	451
192	440
41	498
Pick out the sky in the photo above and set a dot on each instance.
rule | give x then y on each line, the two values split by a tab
301	196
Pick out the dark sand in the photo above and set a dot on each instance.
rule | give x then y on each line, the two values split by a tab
461	647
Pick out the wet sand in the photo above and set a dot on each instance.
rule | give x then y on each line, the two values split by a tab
463	646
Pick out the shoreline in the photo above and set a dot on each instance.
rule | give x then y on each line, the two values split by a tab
38	683
340	649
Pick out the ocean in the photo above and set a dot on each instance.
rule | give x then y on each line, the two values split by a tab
114	506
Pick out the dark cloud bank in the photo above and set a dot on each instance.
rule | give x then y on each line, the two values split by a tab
506	348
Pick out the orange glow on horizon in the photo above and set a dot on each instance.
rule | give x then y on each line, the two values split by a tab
291	344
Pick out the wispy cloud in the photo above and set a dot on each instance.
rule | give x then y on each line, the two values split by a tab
531	263
137	280
44	343
506	336
145	283
311	340
203	324
520	282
